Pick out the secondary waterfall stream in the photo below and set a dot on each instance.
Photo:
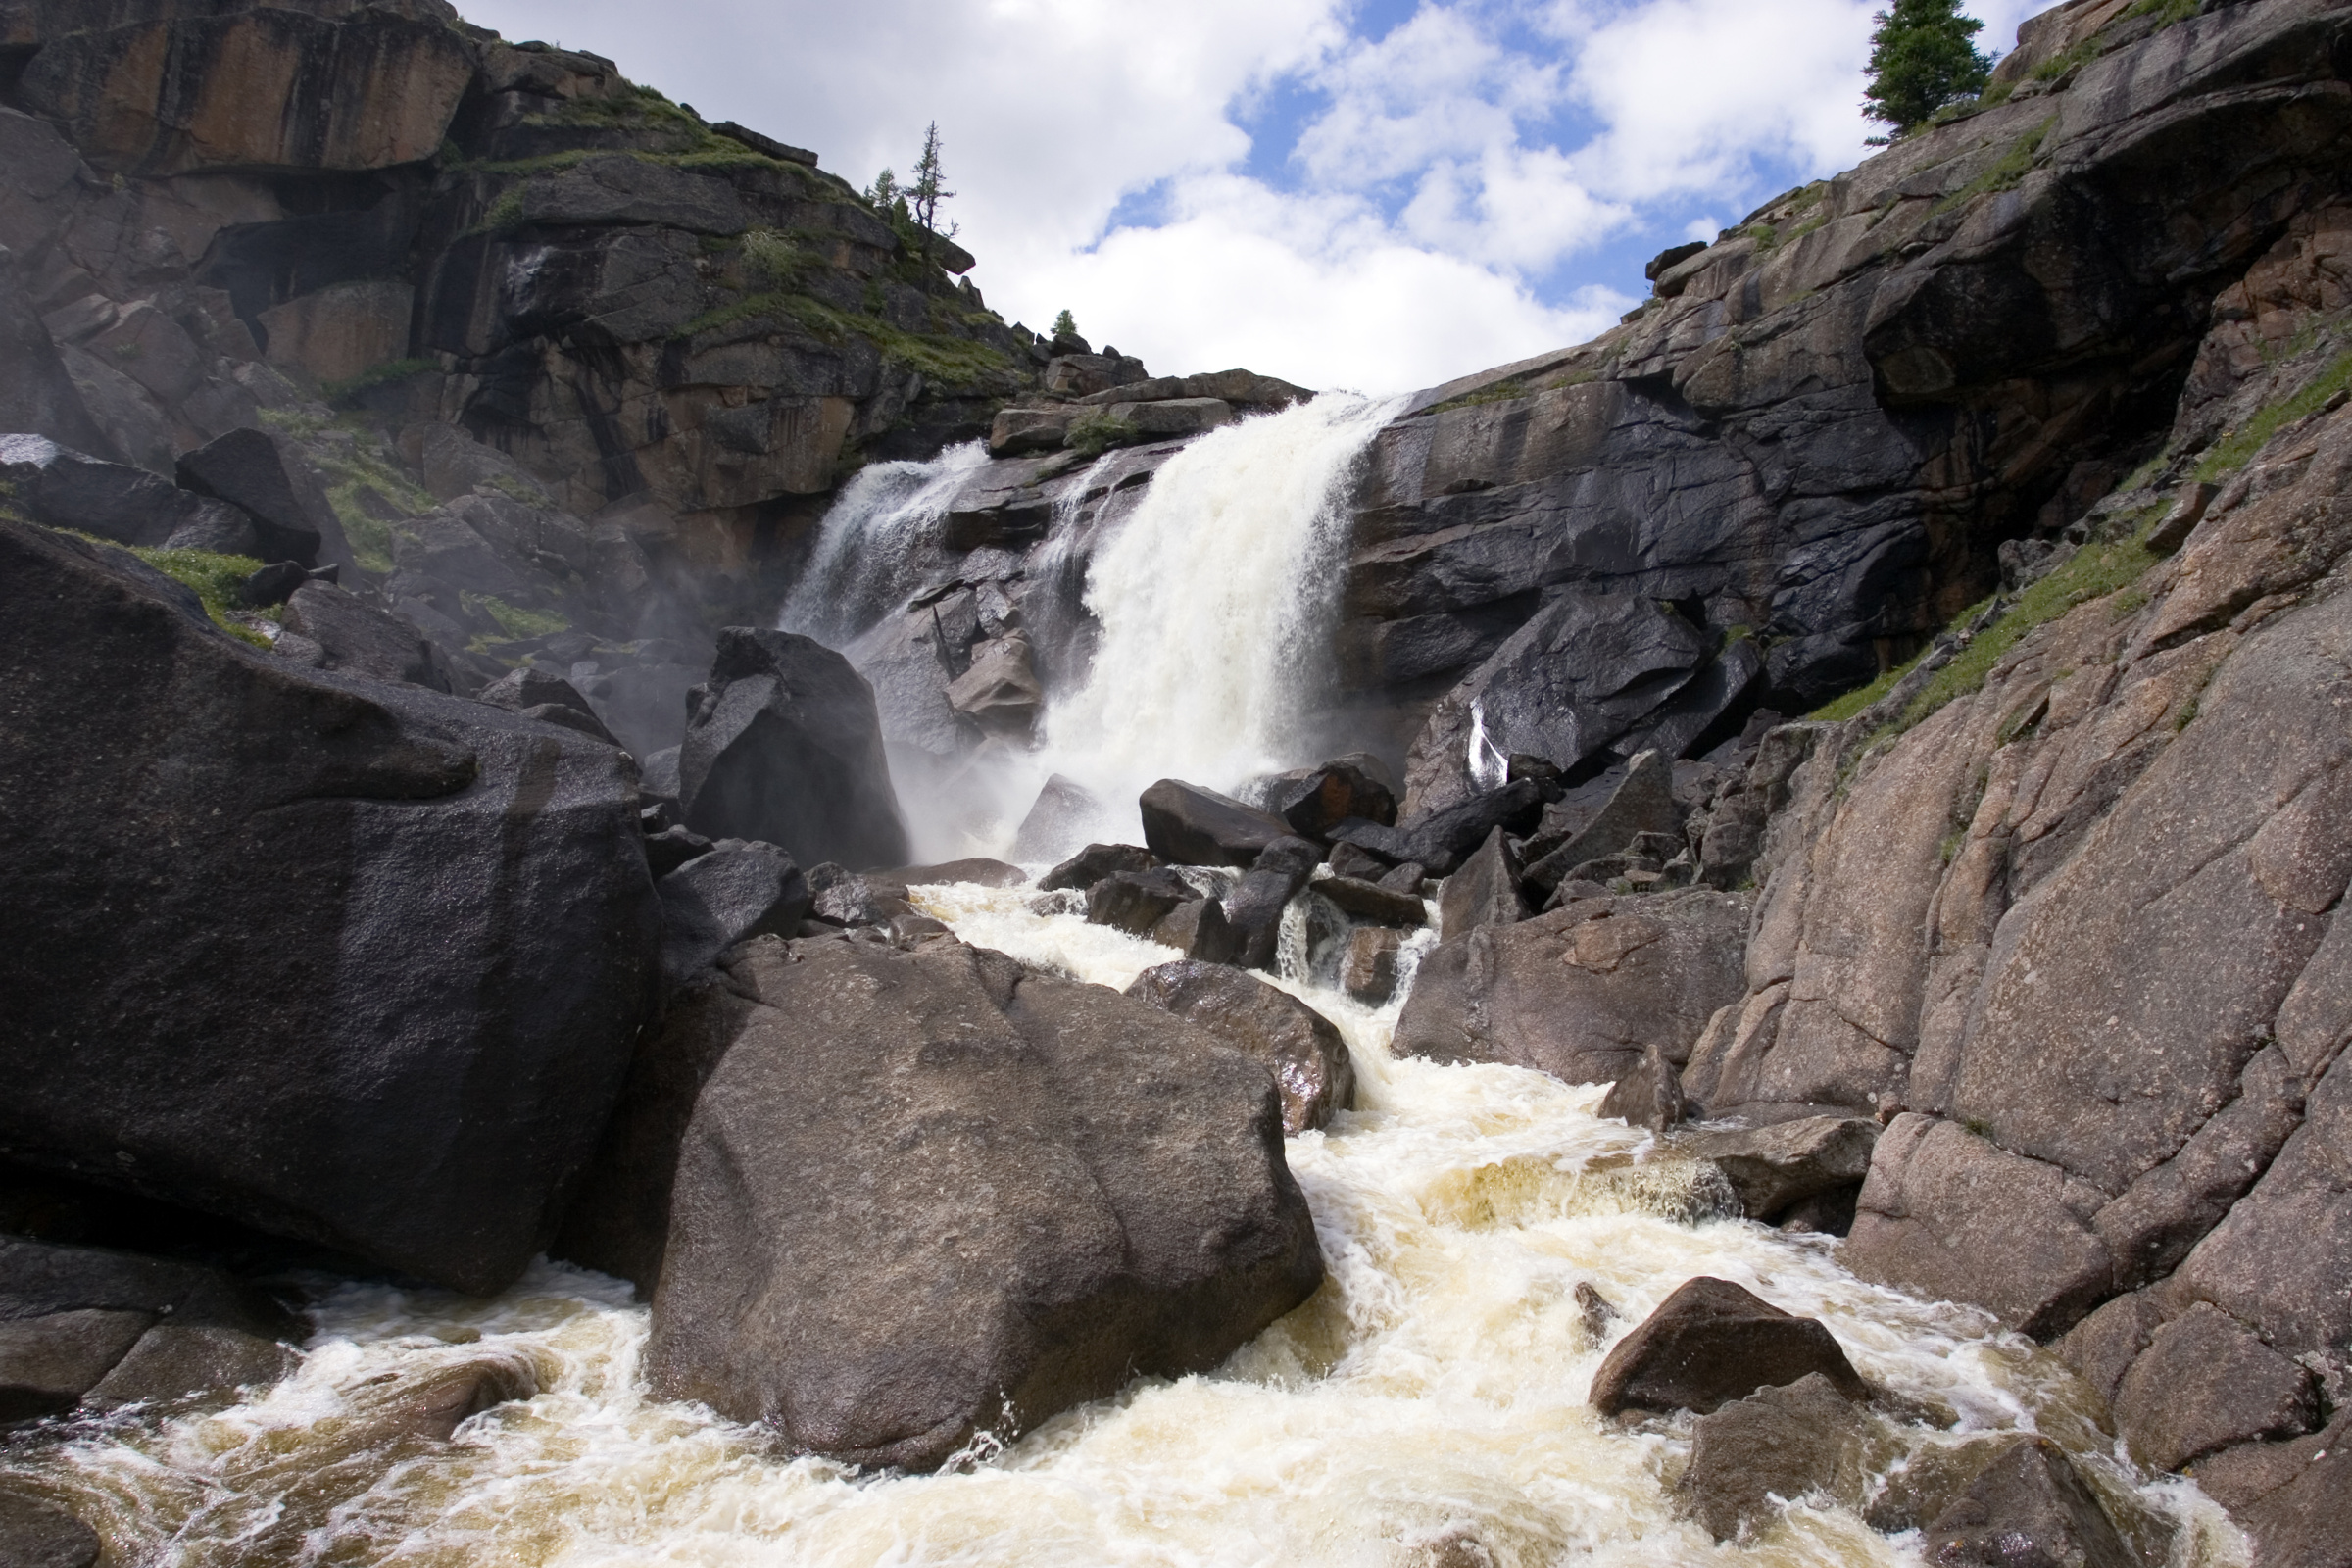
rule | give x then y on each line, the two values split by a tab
1425	1408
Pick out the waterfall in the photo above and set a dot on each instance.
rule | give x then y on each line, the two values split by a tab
1216	601
868	544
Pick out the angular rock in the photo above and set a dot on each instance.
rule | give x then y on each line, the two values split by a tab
273	585
1410	877
1134	902
1370	901
220	528
1096	862
1303	1049
1000	692
2307	1522
1710	1342
1316	800
1188	825
1776	1444
2030	1508
1642	804
66	489
552	700
1583	991
291	894
245	470
1059	818
2205	1383
845	899
88	1324
785	746
355	636
1443	840
673	847
737	890
33	1534
1484	892
1368	972
1199	930
921	1193
1773	1168
1253	908
1649	1095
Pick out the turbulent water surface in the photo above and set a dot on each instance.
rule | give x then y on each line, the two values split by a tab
1430	1395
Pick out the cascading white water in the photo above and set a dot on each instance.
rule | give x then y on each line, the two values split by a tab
1215	601
855	572
1432	1392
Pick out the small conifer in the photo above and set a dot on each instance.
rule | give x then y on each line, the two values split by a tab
1922	57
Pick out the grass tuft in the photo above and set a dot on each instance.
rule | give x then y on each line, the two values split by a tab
2237	449
216	580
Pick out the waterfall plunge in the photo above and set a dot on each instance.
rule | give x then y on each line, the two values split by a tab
1216	601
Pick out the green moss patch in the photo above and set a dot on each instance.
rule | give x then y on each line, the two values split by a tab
2237	448
216	580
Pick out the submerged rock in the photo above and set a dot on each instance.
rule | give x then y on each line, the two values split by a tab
1301	1048
1774	1446
907	1196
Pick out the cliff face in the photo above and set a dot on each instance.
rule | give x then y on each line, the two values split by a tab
1824	425
679	334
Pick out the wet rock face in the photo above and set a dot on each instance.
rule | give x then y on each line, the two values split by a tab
913	1193
37	1536
292	893
1770	445
2030	1508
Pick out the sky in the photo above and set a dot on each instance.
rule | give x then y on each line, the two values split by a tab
1372	194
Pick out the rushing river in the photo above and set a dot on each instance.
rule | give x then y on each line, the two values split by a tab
1427	1406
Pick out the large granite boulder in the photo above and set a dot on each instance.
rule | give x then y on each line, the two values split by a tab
904	1197
785	746
245	469
1713	1342
1583	991
1303	1050
1194	826
341	959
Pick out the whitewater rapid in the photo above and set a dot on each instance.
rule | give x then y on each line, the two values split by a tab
1432	1391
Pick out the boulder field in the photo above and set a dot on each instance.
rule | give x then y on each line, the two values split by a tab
419	853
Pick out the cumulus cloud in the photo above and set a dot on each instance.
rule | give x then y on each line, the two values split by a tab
1263	182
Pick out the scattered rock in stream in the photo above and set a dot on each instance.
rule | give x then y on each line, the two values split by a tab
886	1199
1303	1049
1776	1445
1710	1342
1188	825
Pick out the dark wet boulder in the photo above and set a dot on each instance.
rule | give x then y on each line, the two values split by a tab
271	585
1134	901
739	889
1710	1342
1199	930
1484	891
1368	968
785	746
1188	825
34	1535
1096	862
1313	801
1370	901
336	958
63	488
354	635
1776	1445
845	897
2030	1508
1649	1095
534	693
672	846
245	470
1580	993
85	1325
1253	908
1443	840
1303	1049
810	1129
1773	1168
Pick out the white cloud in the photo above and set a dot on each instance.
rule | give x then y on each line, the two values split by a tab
1428	221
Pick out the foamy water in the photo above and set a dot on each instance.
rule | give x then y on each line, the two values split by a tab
1432	1390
